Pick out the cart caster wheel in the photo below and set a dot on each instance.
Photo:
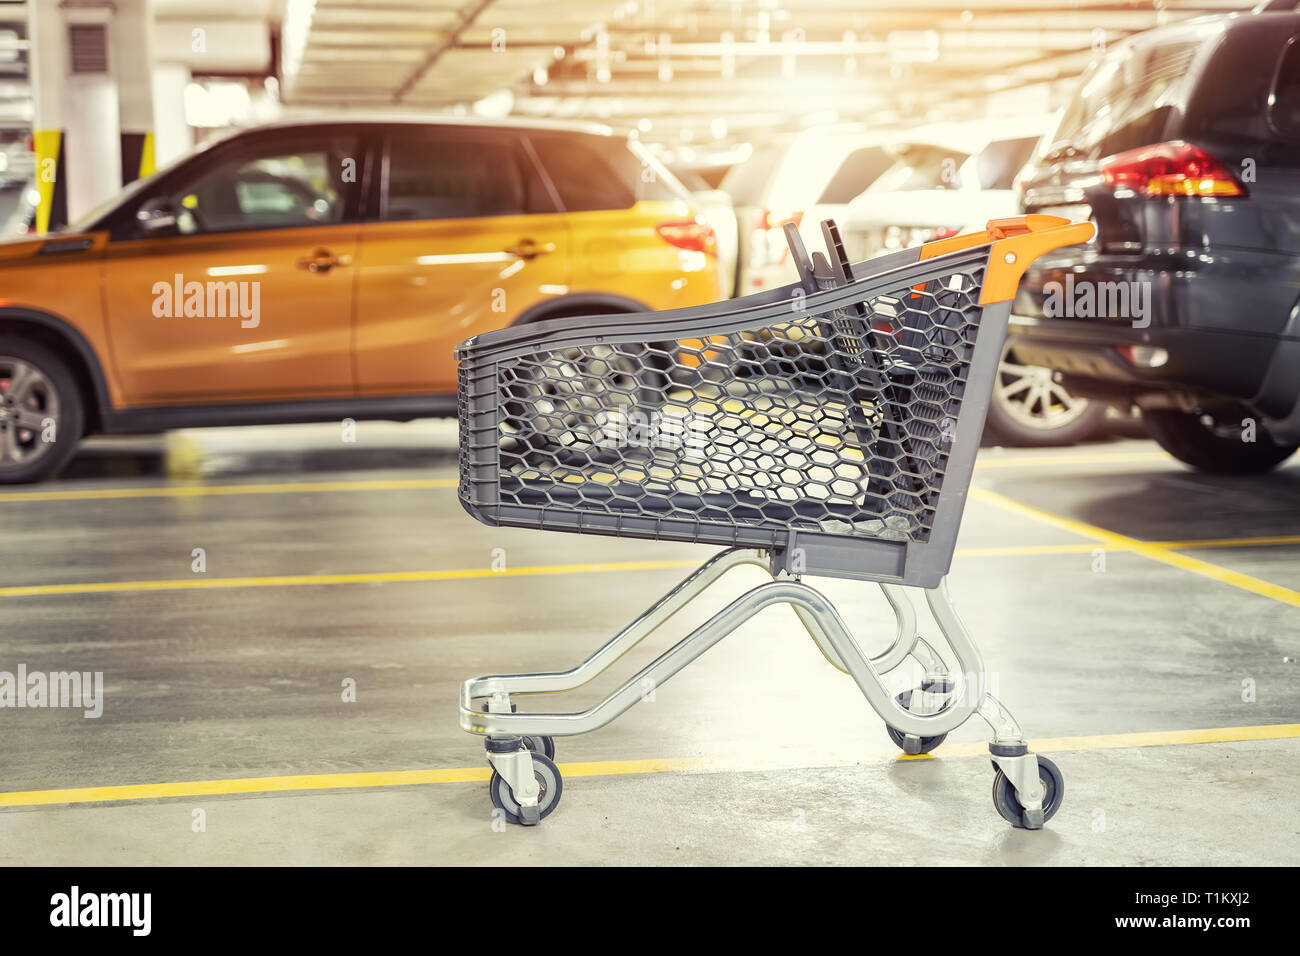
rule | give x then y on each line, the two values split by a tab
1008	804
540	744
549	782
905	701
927	743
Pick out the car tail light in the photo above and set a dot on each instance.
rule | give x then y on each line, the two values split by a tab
689	234
768	219
1170	169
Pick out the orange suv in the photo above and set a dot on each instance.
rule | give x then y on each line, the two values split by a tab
325	270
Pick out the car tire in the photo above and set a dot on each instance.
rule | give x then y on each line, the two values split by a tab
1215	448
1022	417
36	388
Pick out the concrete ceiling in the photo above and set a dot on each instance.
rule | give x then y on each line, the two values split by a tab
691	70
756	65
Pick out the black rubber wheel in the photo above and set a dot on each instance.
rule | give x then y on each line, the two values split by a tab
540	743
905	701
548	779
42	415
1212	446
1008	804
927	743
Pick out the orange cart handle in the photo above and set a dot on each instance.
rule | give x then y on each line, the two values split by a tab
1015	242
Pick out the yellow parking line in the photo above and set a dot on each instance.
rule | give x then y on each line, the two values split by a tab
198	491
400	778
986	462
296	580
1229	542
385	577
1155	552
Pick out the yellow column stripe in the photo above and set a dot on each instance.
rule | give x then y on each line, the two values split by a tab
1155	552
46	144
399	778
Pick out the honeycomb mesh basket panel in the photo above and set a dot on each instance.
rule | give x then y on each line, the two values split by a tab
839	423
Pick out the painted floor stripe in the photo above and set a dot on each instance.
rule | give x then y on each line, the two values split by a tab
604	768
200	491
460	574
1114	541
299	580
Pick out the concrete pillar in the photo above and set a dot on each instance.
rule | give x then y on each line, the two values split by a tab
75	131
172	134
132	67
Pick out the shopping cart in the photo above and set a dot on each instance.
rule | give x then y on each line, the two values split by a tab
828	427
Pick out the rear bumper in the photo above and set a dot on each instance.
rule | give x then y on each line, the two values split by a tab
1226	321
1093	361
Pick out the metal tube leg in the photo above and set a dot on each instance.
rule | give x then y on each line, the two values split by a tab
500	686
905	636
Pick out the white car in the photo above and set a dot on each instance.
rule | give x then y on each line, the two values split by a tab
17	164
951	178
803	180
944	178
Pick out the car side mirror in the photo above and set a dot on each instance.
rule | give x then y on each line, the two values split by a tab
156	217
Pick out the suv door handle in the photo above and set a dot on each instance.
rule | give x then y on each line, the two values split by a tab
322	260
530	248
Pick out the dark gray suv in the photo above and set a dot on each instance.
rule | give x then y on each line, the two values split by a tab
1183	146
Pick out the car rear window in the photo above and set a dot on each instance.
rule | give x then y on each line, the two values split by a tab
603	172
747	182
999	161
922	167
1125	100
860	169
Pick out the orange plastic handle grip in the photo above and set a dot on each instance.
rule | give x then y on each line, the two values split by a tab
1015	242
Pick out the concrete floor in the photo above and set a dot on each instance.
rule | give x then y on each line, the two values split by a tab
730	764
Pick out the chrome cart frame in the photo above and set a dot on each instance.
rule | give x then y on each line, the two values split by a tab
892	526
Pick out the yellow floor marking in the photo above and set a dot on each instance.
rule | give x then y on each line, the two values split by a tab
295	580
197	491
1229	542
601	768
1109	539
455	574
984	462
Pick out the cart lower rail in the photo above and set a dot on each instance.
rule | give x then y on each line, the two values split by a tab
526	784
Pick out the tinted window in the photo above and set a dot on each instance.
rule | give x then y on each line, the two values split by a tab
998	162
603	172
859	170
432	176
1126	99
1284	110
922	167
273	185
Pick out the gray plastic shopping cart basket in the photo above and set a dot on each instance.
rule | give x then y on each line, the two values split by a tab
828	427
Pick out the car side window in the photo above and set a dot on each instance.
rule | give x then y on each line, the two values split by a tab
277	186
445	176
